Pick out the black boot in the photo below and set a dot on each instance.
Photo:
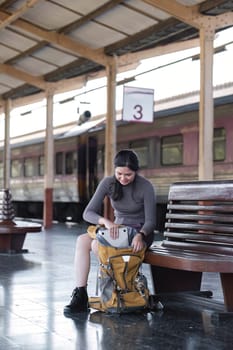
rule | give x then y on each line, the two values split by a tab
78	303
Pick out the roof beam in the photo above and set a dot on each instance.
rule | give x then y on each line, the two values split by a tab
163	28
157	51
18	13
23	76
191	14
216	22
90	16
65	85
183	13
60	40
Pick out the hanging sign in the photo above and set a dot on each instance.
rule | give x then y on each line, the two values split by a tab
138	104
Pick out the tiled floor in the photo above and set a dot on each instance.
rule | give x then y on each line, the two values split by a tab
35	287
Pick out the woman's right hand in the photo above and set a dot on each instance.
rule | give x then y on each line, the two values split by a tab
114	231
111	226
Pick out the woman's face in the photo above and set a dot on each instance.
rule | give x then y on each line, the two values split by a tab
124	175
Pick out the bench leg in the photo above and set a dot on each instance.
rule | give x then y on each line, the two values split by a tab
12	242
167	280
227	287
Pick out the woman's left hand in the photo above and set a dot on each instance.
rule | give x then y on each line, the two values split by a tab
138	243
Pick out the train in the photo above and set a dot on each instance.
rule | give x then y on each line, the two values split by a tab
167	149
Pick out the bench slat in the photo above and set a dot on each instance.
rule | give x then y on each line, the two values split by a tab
200	227
198	217
202	190
176	258
227	239
191	207
204	247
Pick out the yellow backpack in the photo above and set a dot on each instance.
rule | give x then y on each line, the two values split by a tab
122	287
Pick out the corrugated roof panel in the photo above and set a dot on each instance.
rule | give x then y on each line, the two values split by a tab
52	55
6	53
7	80
43	15
3	89
26	34
96	36
190	2
83	7
15	40
123	19
148	9
34	66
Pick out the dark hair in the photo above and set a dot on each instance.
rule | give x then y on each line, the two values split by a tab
127	158
124	158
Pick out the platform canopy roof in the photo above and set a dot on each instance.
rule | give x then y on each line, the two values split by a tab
55	44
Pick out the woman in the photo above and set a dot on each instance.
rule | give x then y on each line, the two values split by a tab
133	200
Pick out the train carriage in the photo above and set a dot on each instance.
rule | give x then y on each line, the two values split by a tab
167	149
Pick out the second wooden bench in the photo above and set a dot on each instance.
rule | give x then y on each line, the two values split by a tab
198	238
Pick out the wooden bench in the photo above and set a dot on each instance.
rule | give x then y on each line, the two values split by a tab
12	232
198	238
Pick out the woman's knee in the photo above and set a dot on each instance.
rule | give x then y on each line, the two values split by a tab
83	241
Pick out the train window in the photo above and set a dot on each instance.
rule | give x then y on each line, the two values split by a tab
69	162
142	150
219	144
41	166
59	163
16	168
172	150
29	167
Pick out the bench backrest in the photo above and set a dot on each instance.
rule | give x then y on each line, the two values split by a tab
200	216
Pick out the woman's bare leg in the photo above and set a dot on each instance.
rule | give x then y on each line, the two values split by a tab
79	300
82	259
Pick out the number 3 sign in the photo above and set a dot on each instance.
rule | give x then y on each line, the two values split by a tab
138	104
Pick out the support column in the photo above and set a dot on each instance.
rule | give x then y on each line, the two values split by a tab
6	167
49	164
110	132
206	109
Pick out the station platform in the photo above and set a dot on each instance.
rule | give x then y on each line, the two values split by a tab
36	285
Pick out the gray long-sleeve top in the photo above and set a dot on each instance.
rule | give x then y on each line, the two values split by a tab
137	206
